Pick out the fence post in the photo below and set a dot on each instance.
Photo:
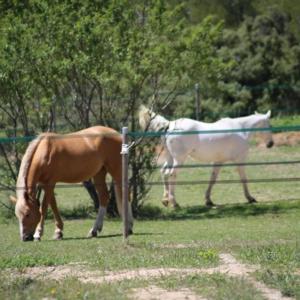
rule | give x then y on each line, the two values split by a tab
197	101
125	153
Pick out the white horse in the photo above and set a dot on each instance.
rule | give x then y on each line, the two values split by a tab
214	147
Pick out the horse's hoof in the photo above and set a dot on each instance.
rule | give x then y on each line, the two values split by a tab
210	204
37	239
175	206
165	202
92	234
130	232
251	201
58	236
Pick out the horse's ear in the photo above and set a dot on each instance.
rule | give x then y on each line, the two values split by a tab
268	114
13	199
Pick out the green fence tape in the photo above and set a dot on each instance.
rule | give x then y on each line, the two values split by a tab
178	132
6	140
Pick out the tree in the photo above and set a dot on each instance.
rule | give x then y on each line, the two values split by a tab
82	63
265	74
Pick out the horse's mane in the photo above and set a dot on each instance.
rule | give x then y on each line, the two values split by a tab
25	164
147	116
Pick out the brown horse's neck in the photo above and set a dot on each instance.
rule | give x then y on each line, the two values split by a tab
22	186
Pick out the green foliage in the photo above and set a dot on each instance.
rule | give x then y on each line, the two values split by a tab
267	63
94	63
209	254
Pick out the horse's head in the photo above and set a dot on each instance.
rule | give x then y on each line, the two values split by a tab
145	116
264	122
151	121
28	214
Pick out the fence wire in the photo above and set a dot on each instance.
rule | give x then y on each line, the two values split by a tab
136	134
185	182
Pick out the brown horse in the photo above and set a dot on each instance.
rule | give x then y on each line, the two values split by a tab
70	158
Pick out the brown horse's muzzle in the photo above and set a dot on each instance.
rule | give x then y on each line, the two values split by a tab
27	237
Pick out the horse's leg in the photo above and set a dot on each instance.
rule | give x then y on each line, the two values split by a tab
59	225
241	171
212	181
40	228
165	170
103	197
172	182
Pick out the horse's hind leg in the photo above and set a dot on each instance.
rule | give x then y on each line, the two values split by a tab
241	171
103	196
213	178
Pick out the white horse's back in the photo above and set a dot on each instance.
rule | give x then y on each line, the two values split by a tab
204	145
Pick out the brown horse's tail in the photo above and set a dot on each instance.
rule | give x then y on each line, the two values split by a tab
21	186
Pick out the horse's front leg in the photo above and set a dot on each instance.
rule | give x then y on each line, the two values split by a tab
172	184
212	181
165	178
59	225
241	171
40	228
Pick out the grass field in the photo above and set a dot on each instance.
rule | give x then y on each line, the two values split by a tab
265	235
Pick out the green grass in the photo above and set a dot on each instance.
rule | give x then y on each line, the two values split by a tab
69	289
213	286
279	264
265	234
283	280
286	121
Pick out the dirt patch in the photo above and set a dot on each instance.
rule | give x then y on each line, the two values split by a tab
229	266
237	269
157	293
281	139
178	246
286	138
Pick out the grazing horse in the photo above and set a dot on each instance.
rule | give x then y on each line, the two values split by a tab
70	158
215	147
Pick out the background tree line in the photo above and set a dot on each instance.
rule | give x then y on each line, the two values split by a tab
67	65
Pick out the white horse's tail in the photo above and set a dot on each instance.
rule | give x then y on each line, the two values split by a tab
151	121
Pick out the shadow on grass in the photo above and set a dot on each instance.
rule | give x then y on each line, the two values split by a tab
100	236
149	212
78	212
222	211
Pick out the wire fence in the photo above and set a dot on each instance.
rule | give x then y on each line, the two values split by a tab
137	134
